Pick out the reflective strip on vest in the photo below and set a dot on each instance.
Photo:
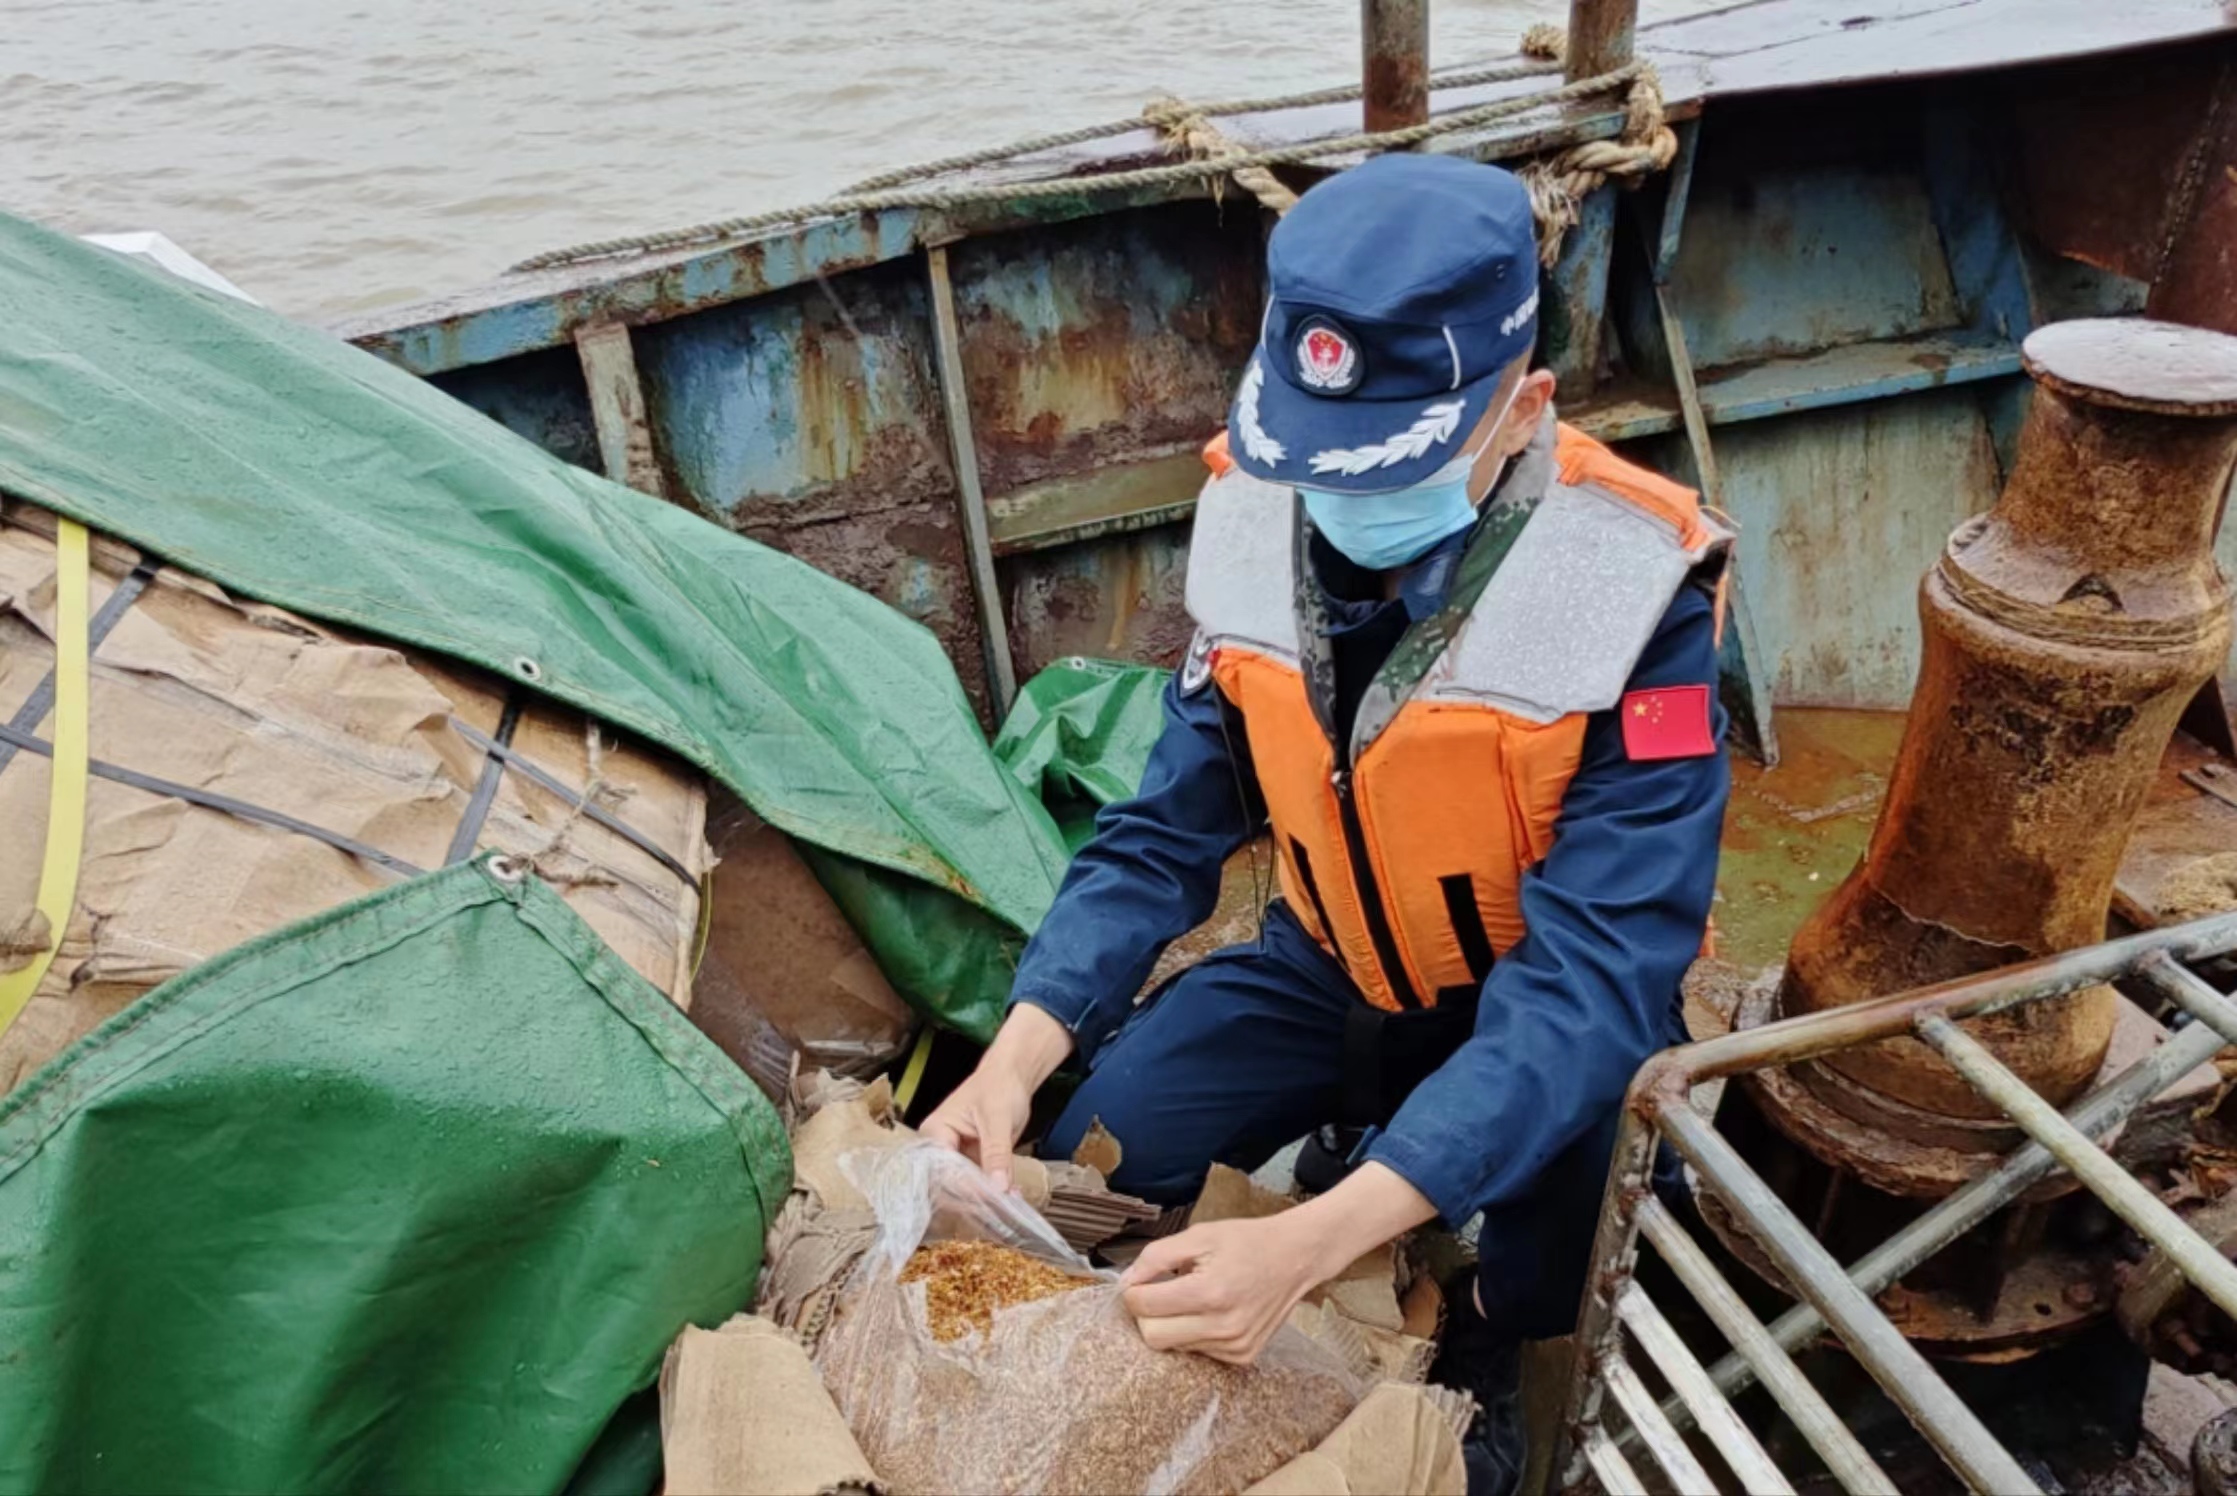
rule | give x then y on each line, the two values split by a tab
1457	795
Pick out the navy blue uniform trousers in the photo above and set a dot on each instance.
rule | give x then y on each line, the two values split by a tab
1243	1053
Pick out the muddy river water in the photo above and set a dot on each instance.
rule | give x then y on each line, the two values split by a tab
334	155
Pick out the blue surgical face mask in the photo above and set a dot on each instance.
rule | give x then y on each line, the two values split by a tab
1383	530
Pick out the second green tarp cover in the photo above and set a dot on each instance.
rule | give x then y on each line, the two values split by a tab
406	1197
1079	735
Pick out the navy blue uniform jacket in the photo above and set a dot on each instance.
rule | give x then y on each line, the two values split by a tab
1615	912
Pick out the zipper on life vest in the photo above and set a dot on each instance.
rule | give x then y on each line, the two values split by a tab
1370	896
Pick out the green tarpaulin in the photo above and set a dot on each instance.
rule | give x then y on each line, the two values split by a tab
292	468
407	1197
1079	735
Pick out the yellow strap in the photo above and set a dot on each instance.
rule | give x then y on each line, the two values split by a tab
913	1074
58	874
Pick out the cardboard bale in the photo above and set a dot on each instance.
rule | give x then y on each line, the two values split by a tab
350	735
1398	1442
743	1413
787	986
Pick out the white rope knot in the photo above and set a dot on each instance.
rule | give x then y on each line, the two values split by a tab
1186	128
1545	40
1558	184
550	862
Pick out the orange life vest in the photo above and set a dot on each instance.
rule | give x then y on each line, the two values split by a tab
1404	855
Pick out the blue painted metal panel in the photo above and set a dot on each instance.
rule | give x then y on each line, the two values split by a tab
1101	342
1576	295
1841	512
769	408
522	313
810	420
539	395
1986	268
1854	373
1791	260
1119	598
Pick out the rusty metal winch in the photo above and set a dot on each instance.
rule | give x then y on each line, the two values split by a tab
2065	632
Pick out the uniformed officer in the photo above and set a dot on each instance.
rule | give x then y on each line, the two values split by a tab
1459	661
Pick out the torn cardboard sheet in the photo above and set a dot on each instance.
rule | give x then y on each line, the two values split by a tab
835	1130
1098	1150
1380	1354
1366	1292
810	1254
743	1413
1398	1440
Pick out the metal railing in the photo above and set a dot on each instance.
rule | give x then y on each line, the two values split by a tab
1618	1312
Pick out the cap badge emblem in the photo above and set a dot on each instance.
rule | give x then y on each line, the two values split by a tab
1327	359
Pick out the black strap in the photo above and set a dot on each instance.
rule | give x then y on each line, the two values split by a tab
41	700
15	738
528	767
1467	924
1304	866
1387	1054
1363	1065
485	790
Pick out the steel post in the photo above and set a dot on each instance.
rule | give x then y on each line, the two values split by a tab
1794	1039
1600	33
1617	1478
1394	62
1615	1247
1971	1450
2189	992
1666	1444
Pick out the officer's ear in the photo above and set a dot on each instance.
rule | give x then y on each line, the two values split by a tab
1531	403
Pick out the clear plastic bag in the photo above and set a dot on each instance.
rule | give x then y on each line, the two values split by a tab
1062	1396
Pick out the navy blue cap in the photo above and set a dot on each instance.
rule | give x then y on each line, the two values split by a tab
1398	292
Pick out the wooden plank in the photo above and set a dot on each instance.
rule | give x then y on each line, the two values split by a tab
947	341
617	408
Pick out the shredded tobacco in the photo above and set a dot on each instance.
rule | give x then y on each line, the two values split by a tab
966	1281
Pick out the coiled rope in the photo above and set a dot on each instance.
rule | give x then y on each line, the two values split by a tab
1554	190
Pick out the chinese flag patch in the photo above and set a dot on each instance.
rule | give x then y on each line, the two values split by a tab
1670	722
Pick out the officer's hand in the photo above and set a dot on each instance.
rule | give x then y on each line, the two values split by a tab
983	1117
1223	1288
